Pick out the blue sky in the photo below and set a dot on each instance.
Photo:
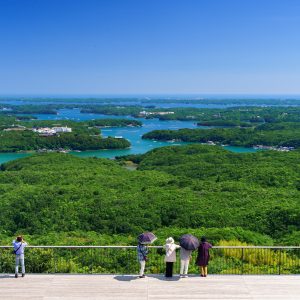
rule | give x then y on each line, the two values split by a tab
149	46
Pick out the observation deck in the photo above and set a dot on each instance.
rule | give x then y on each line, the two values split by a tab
156	287
99	272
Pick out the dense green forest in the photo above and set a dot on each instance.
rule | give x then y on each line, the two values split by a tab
112	110
238	116
249	126
114	123
275	134
233	199
174	187
85	135
29	141
7	120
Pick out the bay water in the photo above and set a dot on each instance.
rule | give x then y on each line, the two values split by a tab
133	134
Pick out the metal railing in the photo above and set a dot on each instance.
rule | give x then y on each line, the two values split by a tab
236	260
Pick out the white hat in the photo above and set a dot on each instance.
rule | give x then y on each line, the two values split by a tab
170	240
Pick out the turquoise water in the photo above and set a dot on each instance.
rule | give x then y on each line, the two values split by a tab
76	115
4	157
133	134
114	153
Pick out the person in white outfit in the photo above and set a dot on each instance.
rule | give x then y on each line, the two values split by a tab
19	244
170	257
185	256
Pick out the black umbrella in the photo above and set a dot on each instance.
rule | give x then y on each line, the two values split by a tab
147	238
189	242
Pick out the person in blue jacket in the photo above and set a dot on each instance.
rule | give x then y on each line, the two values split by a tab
19	244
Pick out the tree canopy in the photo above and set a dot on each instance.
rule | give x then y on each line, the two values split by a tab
188	187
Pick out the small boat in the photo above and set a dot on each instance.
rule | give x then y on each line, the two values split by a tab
118	137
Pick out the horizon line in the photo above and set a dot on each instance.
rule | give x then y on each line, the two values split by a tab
149	95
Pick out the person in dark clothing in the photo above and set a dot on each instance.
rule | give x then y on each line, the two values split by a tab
203	256
142	252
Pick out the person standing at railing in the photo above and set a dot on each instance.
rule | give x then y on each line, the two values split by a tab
185	256
19	244
203	256
142	252
170	257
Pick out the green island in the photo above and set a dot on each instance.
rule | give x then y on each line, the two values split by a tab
234	199
282	136
226	117
233	116
114	123
239	116
29	109
19	135
112	110
277	127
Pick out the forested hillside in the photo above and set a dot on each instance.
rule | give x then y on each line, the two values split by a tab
278	135
250	197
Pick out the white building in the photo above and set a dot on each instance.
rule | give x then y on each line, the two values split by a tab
44	130
51	131
62	129
161	113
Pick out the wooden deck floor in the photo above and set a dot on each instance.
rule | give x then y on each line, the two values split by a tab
104	287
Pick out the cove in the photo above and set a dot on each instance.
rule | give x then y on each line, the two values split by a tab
133	134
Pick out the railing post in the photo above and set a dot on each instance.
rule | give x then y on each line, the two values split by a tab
279	263
242	261
54	260
93	257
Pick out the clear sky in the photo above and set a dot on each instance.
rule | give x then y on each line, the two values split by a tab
149	46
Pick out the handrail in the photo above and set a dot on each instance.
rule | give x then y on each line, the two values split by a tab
157	247
122	259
